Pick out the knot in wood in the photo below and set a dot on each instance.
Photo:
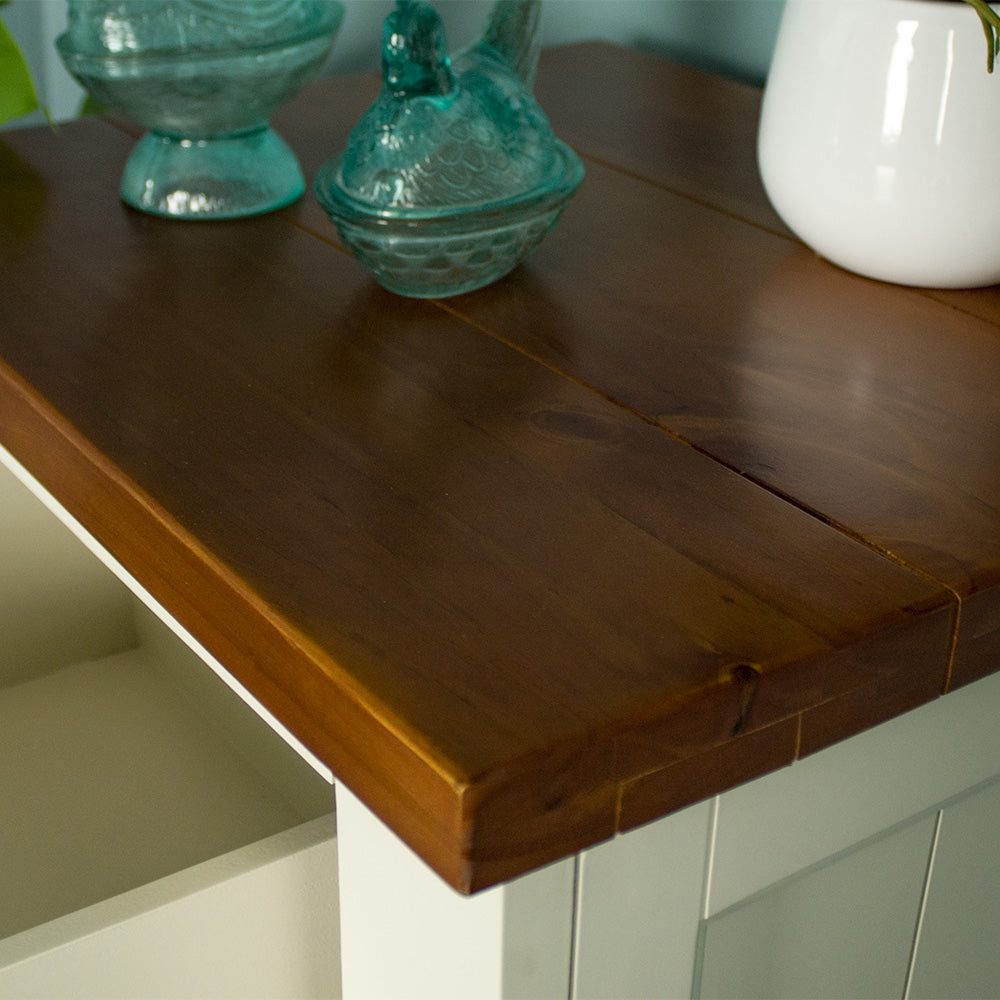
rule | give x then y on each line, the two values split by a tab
746	677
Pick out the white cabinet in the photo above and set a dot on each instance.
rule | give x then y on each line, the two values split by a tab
157	836
842	929
406	935
640	897
958	954
871	869
162	836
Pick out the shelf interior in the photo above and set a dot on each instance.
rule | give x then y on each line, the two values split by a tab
125	758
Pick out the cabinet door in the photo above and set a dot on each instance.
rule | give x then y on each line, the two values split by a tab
842	929
959	954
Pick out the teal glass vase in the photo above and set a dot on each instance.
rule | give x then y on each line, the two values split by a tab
204	77
453	176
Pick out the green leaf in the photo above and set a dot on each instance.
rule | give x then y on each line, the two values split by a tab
17	91
991	28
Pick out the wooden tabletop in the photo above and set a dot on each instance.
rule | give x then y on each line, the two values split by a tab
672	505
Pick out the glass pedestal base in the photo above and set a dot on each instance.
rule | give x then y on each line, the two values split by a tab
224	177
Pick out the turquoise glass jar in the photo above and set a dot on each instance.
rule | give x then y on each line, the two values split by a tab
453	176
203	76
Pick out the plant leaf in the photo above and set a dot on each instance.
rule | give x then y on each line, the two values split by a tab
17	91
991	27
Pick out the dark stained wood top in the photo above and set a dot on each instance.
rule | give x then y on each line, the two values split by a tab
670	506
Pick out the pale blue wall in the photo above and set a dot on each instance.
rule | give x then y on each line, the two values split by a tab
731	36
735	37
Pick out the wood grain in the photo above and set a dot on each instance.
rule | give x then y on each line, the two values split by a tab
689	131
692	132
466	551
870	405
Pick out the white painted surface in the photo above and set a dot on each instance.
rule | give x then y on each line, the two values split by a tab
64	518
109	781
640	898
404	933
786	821
538	933
58	605
959	955
257	924
842	929
157	838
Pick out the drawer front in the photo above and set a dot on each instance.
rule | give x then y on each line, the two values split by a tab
261	921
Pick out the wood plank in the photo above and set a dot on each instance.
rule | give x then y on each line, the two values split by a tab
869	405
684	129
484	594
690	131
695	133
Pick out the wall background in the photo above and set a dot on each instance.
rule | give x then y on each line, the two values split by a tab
735	37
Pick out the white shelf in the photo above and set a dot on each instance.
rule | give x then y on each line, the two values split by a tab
148	811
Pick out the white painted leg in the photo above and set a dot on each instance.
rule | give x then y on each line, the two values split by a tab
639	903
406	935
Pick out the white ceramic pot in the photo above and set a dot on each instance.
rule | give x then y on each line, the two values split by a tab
879	140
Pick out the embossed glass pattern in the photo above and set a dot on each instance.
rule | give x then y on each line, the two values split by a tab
203	76
453	175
